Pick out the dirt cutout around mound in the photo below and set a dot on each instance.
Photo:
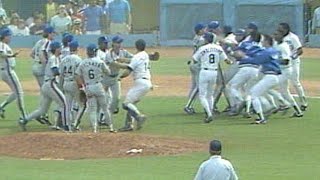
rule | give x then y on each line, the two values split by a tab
61	146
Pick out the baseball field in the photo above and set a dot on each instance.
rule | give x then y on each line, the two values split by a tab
173	143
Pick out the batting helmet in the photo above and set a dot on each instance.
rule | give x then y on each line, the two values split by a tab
91	50
209	37
198	27
5	32
213	25
117	39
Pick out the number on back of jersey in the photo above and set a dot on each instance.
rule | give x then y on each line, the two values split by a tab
212	59
91	74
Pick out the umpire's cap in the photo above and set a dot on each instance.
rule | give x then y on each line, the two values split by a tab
209	37
5	32
140	44
55	45
213	25
199	27
240	32
252	25
215	145
74	44
117	39
48	30
103	39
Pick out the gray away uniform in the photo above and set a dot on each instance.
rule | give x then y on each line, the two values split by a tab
37	66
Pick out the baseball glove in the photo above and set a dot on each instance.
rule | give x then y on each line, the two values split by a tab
82	95
154	56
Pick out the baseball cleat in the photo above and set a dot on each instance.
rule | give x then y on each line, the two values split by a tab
2	115
102	123
297	115
116	111
141	119
188	110
125	129
260	121
208	119
303	107
22	124
247	115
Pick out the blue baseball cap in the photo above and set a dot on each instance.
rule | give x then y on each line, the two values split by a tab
74	44
48	30
208	36
55	45
117	39
252	25
5	32
103	39
213	25
199	27
240	32
227	29
92	48
67	37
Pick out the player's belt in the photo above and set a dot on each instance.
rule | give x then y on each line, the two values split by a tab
271	73
92	83
210	69
142	78
248	65
113	75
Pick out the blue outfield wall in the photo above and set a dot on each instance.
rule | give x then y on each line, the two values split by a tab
177	17
84	40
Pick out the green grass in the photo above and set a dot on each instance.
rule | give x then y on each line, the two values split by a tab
283	149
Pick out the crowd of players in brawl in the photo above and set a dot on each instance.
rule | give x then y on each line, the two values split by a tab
75	84
261	67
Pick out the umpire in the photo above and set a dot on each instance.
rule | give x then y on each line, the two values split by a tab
216	168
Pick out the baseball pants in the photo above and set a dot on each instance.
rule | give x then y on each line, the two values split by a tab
207	80
295	80
10	77
193	92
38	72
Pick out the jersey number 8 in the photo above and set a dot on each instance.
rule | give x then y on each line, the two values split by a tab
211	59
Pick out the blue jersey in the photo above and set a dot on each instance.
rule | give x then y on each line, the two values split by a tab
268	59
251	49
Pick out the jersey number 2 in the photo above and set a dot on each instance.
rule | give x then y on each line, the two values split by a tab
211	59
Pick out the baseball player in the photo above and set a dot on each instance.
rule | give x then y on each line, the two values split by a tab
285	61
101	54
139	67
50	91
296	52
66	39
214	27
115	54
198	41
89	76
68	66
253	33
38	65
268	59
8	75
209	55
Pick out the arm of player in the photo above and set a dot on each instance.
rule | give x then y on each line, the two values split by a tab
126	73
78	77
3	54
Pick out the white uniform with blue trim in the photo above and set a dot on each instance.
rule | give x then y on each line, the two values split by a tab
37	66
9	76
51	92
208	56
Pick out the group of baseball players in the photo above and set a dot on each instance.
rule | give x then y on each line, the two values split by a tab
77	85
260	68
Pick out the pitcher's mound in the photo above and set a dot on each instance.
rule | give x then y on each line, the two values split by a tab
86	145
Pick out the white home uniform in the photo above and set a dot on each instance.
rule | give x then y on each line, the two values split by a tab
294	44
37	66
112	80
68	66
92	70
9	76
51	92
208	56
140	69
